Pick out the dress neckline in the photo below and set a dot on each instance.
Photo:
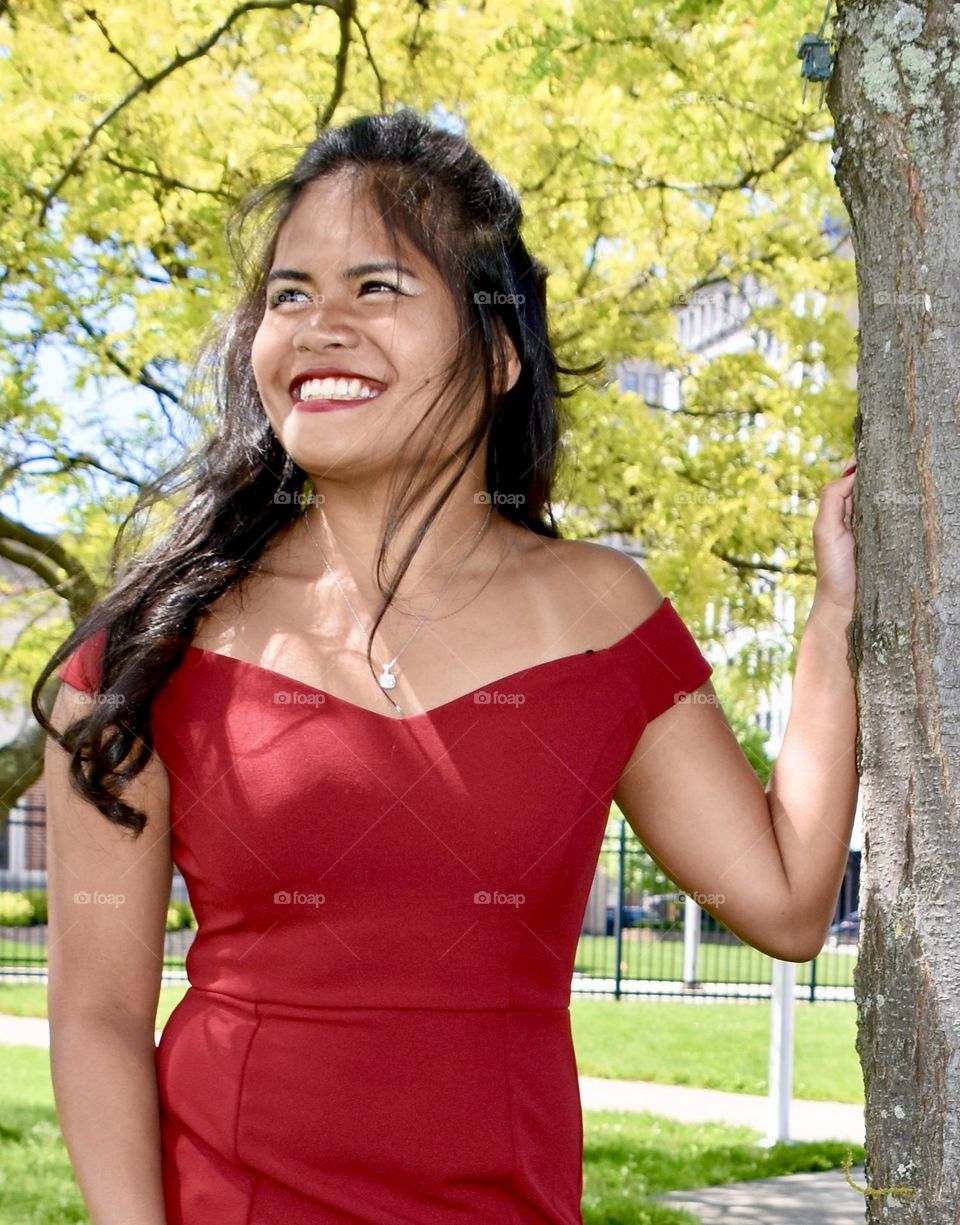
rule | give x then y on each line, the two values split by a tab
442	706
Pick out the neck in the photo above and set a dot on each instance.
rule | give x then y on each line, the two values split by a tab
348	526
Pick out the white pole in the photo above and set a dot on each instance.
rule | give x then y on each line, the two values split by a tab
780	1074
691	940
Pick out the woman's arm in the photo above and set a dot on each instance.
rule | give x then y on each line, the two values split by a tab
108	897
768	865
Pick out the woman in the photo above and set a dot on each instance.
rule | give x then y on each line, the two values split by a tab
388	798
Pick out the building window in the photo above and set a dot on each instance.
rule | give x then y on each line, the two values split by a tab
651	389
629	382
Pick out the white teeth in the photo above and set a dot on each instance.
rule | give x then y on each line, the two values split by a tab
335	389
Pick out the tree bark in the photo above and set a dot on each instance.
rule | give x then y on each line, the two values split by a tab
895	97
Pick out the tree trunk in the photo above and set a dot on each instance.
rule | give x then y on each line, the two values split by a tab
895	96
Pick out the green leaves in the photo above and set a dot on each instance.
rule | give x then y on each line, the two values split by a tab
659	149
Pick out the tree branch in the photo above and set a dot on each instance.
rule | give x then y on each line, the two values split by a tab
741	563
165	180
381	88
147	84
78	590
142	376
115	50
347	13
21	759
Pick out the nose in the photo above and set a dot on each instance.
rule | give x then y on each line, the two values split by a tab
323	325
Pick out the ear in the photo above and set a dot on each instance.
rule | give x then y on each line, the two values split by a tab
506	379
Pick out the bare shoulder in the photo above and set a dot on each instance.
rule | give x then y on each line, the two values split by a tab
606	589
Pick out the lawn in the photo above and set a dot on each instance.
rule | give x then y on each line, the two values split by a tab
717	1045
645	956
627	1158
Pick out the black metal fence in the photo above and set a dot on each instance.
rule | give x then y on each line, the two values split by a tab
641	937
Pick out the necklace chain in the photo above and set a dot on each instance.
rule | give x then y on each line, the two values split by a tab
388	678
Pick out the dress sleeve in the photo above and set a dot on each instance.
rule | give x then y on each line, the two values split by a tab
82	669
665	660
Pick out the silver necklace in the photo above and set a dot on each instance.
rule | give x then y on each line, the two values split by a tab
388	678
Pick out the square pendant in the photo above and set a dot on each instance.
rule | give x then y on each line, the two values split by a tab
387	680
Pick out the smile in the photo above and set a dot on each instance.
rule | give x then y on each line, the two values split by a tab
316	395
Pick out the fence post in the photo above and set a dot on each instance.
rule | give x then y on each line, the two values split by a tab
691	940
780	1074
618	912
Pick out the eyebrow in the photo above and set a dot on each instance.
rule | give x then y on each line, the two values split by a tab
292	274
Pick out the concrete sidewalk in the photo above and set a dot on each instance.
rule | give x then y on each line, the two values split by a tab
824	1198
809	1120
798	1199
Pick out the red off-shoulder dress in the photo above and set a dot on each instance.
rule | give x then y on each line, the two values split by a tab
377	1028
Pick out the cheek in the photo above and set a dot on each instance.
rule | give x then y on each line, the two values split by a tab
266	373
258	354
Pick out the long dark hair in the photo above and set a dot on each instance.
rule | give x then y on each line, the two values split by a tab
241	487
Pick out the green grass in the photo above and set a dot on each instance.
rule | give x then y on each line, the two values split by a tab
627	1158
19	952
717	1045
646	957
37	1183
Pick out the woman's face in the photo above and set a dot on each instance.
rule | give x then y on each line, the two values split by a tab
337	301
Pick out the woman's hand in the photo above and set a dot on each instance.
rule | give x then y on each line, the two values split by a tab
833	542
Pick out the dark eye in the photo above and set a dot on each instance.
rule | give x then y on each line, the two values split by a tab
286	295
382	284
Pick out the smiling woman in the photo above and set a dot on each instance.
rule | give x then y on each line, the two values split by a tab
389	852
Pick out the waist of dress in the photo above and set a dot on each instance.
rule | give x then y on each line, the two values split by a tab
284	1008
